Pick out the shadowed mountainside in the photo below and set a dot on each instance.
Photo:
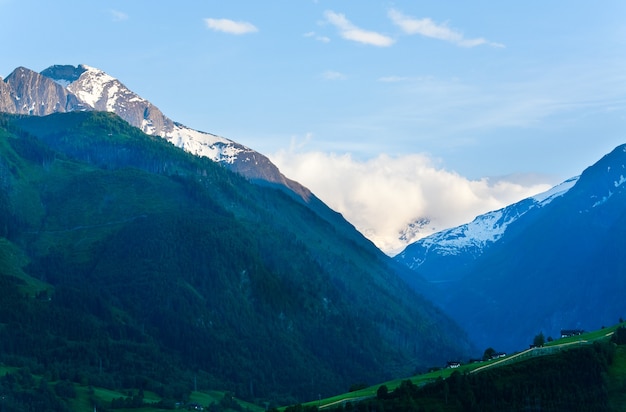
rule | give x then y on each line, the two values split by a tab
551	262
127	262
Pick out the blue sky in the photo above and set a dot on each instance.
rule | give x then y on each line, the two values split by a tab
390	110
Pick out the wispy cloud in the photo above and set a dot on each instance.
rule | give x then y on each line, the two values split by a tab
428	28
383	195
333	75
230	26
393	79
349	31
317	37
118	15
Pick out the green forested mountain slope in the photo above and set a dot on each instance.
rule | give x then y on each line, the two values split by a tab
125	262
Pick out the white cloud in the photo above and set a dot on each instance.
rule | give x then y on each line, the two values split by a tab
427	27
118	15
317	37
383	195
230	26
349	31
333	75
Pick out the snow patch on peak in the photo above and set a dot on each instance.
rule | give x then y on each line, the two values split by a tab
610	193
101	91
111	101
88	68
203	144
489	227
603	200
557	191
62	82
91	85
483	229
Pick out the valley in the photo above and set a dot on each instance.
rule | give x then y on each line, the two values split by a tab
145	265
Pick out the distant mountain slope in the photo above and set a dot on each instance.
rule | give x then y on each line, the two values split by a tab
64	88
548	262
463	244
127	262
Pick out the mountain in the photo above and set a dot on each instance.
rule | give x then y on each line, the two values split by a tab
126	262
66	88
440	254
546	263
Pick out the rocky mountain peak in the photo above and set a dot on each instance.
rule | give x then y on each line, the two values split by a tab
37	95
64	88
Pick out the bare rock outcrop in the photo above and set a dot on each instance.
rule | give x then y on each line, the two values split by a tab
34	94
7	104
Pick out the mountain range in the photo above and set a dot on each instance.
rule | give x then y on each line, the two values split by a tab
126	262
549	262
160	251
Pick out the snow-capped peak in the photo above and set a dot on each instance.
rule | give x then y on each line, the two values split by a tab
101	91
486	228
66	88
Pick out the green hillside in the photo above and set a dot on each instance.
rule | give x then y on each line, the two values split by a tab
582	373
586	373
127	264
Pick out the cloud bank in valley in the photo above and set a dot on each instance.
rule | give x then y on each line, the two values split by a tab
383	195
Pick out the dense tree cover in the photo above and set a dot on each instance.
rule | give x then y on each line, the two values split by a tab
619	337
20	392
489	352
148	268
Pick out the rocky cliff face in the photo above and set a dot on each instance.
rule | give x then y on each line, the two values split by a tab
64	88
6	101
64	74
37	95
